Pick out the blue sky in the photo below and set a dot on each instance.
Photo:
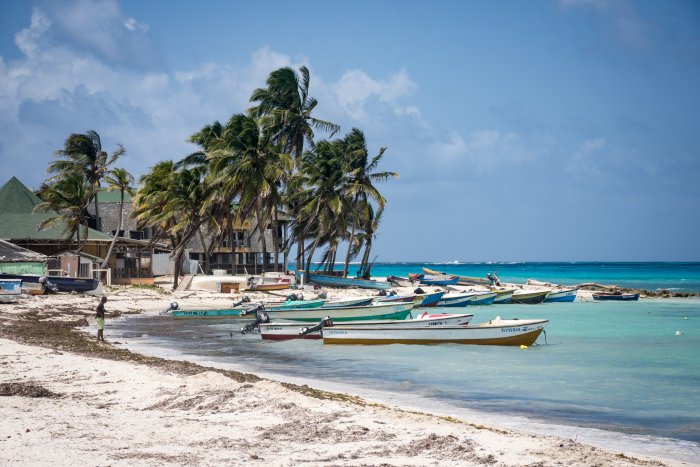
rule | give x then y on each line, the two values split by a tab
523	131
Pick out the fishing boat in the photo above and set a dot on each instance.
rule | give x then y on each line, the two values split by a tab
341	302
238	310
264	287
566	295
350	313
623	297
467	298
529	297
439	280
462	280
495	332
429	299
400	281
291	330
397	299
336	281
502	296
62	283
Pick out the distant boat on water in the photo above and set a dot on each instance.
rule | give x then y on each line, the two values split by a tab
622	297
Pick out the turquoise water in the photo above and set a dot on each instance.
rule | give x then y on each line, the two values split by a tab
619	367
679	277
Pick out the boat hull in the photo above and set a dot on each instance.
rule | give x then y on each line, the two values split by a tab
524	333
286	331
266	287
461	280
561	296
531	298
429	299
334	281
390	311
208	314
63	284
468	300
502	296
628	297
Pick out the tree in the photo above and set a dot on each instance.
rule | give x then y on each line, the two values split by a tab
249	165
82	153
118	179
68	197
361	177
284	108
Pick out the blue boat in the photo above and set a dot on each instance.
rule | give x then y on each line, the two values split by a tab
467	299
337	281
439	280
622	297
430	299
62	283
568	295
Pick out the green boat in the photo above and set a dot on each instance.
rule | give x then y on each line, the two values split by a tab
239	312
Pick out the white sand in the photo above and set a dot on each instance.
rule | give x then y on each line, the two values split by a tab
122	413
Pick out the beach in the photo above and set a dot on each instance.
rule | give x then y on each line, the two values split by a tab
71	400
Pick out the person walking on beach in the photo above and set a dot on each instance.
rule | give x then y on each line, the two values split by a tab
101	320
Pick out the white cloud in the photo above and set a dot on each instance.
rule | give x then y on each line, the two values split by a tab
133	25
355	89
483	150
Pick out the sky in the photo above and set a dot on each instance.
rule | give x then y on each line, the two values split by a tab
560	130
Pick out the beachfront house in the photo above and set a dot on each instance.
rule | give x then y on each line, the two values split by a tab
247	243
17	260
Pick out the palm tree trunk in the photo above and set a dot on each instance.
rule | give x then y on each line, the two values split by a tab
206	252
231	242
311	253
116	234
98	224
261	229
275	238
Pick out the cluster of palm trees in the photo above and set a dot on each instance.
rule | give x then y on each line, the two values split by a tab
256	166
262	165
78	172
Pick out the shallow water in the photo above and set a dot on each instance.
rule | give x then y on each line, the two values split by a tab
617	367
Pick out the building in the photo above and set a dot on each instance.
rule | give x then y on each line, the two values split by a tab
17	260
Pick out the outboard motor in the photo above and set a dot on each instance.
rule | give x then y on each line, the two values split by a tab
382	293
324	323
243	299
172	307
322	294
391	293
419	291
50	286
261	317
293	297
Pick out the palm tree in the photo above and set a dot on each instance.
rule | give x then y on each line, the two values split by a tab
285	109
248	164
324	207
118	179
361	177
82	153
170	200
68	197
370	223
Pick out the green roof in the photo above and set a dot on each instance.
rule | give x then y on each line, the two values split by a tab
19	222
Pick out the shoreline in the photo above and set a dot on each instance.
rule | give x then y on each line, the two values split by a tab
466	441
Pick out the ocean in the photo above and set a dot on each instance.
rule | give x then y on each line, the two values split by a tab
620	375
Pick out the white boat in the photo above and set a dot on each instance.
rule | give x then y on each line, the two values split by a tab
10	289
348	313
495	332
211	282
290	330
467	298
502	295
352	301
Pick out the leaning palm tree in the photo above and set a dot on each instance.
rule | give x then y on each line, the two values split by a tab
251	167
285	109
68	197
82	153
361	175
118	179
